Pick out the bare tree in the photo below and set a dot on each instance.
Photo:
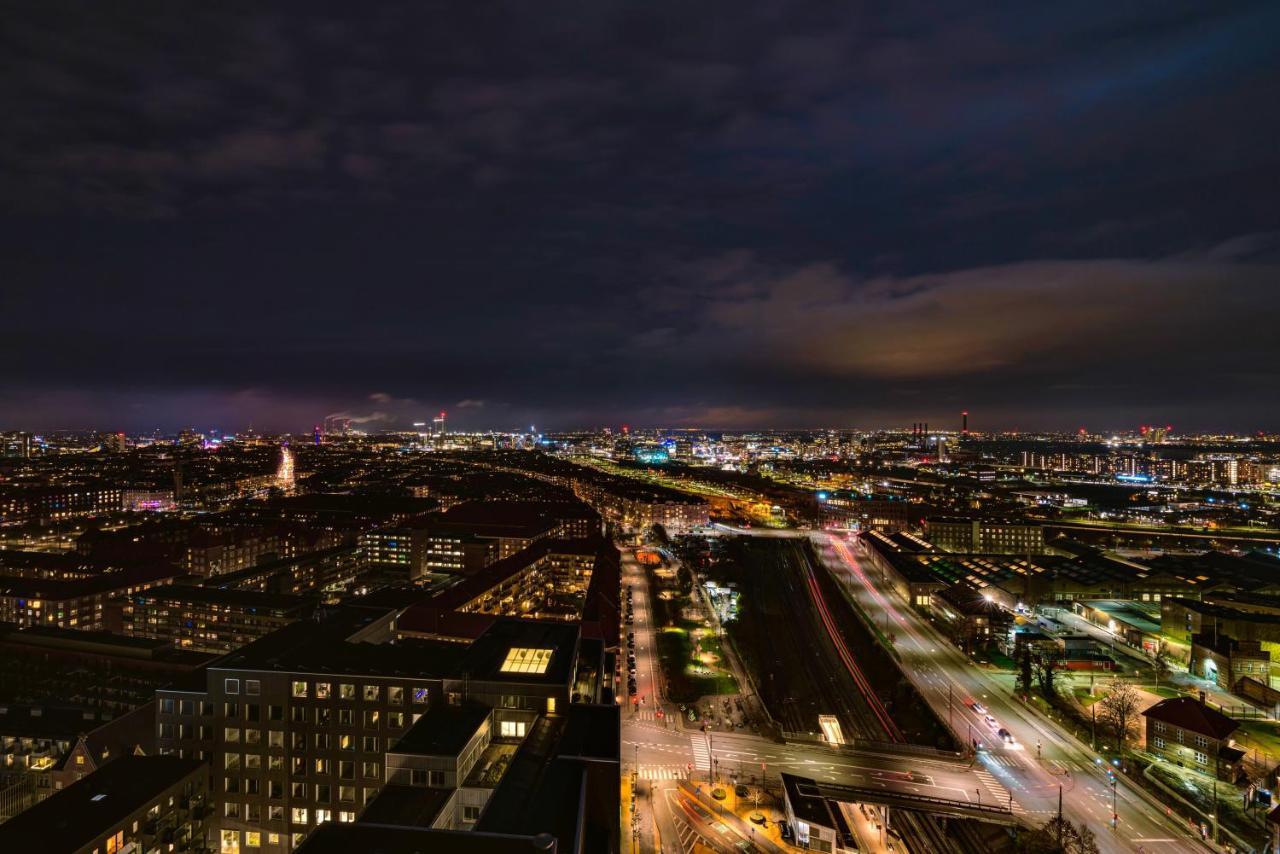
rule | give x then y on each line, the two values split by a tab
1120	709
1059	836
1086	842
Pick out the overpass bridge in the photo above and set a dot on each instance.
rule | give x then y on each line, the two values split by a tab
816	808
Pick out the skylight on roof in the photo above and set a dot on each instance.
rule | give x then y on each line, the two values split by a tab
524	660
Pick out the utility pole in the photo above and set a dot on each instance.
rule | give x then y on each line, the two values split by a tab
1215	802
711	761
1059	822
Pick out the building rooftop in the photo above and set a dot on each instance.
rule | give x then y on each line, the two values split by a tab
321	645
809	805
519	650
1146	620
1191	714
443	730
250	600
1222	612
371	838
549	788
440	615
592	732
410	806
73	817
57	591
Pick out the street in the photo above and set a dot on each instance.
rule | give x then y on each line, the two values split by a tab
658	748
1042	762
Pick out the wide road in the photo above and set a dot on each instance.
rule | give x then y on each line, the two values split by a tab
1042	761
664	752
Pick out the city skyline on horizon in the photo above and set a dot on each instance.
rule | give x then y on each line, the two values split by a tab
391	425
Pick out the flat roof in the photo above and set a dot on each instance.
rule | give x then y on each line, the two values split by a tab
371	838
486	655
320	645
248	599
73	817
411	806
592	731
443	730
1143	620
58	591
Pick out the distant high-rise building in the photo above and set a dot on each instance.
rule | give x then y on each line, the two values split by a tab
15	445
337	425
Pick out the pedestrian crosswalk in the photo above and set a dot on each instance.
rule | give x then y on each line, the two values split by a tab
1005	759
998	794
701	754
646	714
662	772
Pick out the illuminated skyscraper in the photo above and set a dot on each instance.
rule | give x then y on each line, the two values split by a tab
284	474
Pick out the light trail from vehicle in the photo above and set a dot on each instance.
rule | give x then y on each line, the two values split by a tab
859	678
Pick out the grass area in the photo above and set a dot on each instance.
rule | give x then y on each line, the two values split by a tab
687	677
999	660
1263	736
1084	698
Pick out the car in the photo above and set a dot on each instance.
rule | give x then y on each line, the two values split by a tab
978	707
992	722
1005	735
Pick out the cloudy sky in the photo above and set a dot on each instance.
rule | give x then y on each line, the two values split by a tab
722	214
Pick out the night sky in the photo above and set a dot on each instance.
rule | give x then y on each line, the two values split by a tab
575	214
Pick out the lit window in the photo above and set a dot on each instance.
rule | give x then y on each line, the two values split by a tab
522	660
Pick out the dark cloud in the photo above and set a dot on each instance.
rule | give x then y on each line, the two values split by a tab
726	214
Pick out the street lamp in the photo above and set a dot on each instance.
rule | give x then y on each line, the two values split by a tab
1115	816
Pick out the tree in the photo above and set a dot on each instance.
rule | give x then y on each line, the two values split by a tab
1087	842
1059	836
1046	671
1120	710
1026	679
